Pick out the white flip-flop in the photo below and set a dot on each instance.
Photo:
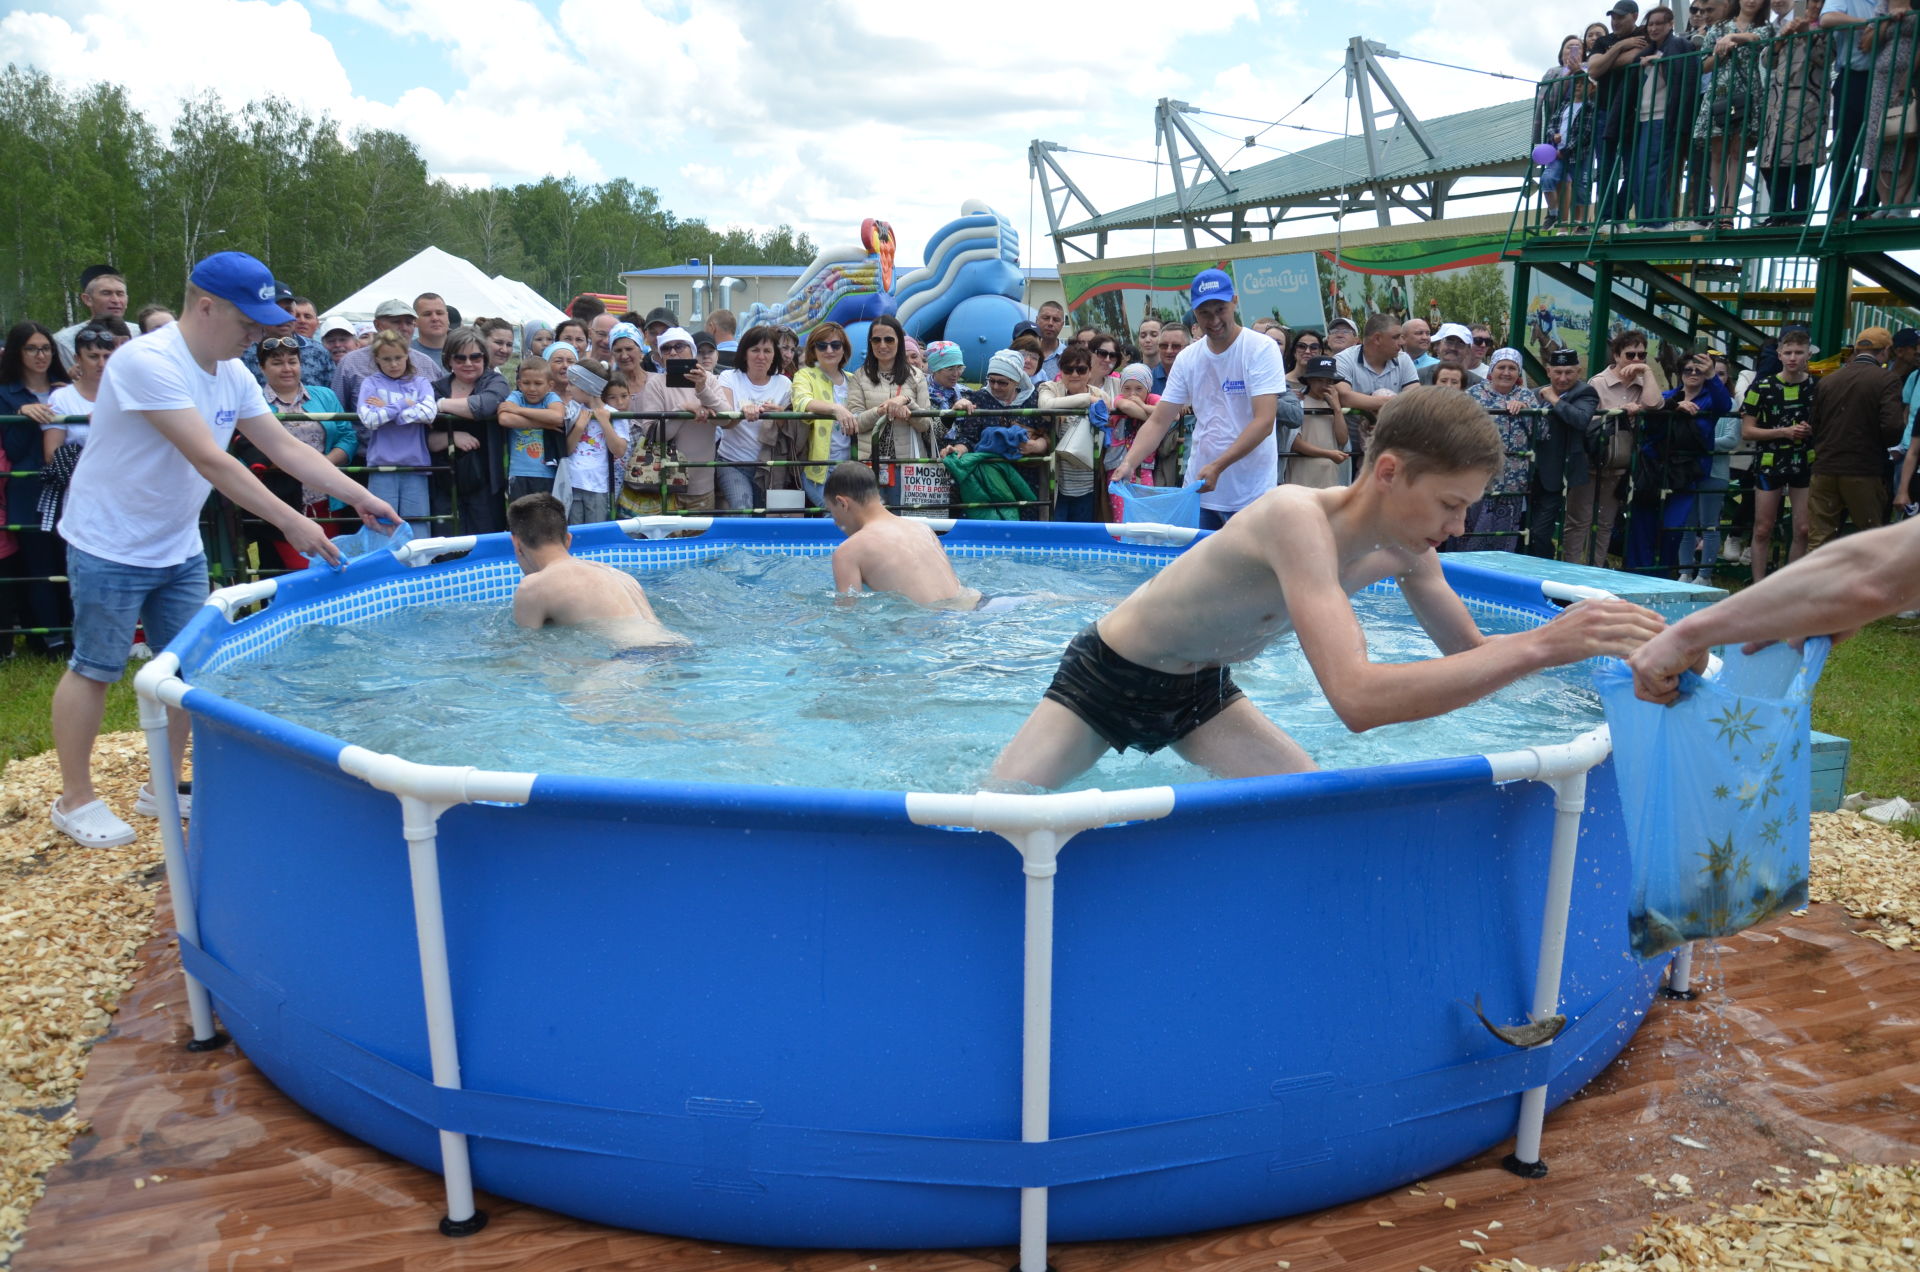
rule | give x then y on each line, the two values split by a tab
91	825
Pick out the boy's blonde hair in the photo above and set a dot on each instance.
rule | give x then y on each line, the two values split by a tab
1437	430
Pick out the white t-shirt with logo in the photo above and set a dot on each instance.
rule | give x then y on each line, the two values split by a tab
741	444
1219	389
134	497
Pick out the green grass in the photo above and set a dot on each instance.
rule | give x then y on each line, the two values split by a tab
1868	693
26	695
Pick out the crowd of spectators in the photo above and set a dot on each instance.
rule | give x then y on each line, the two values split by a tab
1655	119
448	420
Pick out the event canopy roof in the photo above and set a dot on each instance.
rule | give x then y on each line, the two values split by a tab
460	282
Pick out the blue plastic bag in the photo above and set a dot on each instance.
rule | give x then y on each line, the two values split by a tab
1716	791
361	542
1168	505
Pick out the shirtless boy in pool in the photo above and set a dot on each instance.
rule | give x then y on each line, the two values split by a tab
562	590
893	554
1153	672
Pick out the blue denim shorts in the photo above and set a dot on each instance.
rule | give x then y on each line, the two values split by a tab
109	599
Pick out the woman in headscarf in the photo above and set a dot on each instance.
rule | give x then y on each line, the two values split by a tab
1494	524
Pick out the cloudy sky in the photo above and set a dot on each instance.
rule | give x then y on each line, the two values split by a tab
813	113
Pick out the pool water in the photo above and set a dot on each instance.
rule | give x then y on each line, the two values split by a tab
784	685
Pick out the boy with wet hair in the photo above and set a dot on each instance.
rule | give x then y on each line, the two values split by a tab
561	590
1153	672
888	553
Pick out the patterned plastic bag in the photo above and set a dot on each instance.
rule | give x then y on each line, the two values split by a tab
1715	789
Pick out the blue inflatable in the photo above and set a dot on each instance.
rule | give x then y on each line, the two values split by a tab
969	291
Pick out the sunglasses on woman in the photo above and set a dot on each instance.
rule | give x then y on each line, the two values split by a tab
467	357
882	340
276	343
1108	354
835	345
102	339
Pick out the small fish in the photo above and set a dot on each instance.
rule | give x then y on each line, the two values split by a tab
1528	1035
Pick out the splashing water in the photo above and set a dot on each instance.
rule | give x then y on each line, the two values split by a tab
784	686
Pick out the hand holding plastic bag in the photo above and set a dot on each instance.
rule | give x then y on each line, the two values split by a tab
362	542
1168	505
1716	790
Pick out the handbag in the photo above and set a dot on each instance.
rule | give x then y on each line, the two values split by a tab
1901	122
653	464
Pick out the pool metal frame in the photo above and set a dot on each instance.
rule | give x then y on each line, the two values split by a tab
1037	826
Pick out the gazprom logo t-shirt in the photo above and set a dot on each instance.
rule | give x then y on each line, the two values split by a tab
1221	388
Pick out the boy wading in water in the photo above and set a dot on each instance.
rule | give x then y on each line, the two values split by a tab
1153	673
892	554
561	590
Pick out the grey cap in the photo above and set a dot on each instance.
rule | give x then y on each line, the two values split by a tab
660	313
1625	6
394	309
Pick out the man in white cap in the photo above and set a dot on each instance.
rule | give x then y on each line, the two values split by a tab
340	338
1232	380
168	405
350	371
1342	334
1454	345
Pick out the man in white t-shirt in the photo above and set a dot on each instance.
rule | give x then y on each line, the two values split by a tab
168	405
1232	381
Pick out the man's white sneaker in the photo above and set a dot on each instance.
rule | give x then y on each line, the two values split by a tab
147	806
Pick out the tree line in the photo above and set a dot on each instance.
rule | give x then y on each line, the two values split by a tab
89	179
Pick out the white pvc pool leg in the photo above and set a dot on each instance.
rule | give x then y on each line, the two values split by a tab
1680	975
186	919
1039	856
1569	802
436	983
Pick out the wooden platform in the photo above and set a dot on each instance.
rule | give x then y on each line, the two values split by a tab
1804	1034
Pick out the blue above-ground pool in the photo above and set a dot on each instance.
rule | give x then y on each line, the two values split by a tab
818	1017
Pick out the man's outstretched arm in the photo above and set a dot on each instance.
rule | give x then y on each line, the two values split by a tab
1833	591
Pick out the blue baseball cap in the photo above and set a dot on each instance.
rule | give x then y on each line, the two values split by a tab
1210	284
244	283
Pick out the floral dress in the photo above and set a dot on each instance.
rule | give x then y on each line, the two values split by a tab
1732	104
1494	524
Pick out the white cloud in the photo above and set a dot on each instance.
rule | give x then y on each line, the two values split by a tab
757	112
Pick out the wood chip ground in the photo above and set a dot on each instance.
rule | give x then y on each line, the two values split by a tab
72	921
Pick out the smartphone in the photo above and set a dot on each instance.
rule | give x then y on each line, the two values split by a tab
677	369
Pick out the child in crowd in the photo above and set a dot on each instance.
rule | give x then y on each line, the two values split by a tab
1564	184
1319	458
1130	410
531	412
945	365
396	406
593	439
617	397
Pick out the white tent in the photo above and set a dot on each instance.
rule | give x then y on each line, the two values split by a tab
514	287
459	281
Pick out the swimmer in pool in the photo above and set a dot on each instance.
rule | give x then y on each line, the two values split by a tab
561	590
1153	672
893	554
